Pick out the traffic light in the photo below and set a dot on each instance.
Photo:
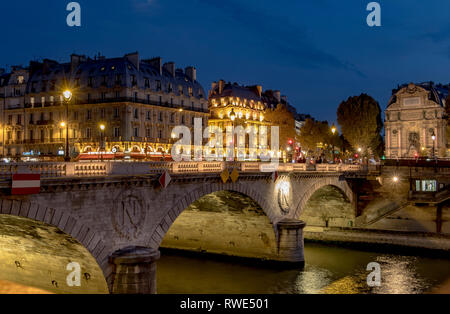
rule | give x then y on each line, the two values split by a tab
290	142
356	156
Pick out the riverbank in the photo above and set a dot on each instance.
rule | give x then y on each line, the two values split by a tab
381	238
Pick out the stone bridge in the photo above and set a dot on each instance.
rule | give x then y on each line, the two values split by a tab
121	213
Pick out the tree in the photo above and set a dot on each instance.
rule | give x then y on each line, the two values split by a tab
361	124
313	135
284	119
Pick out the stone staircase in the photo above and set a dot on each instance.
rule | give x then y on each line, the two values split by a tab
379	211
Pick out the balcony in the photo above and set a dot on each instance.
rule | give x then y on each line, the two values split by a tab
139	101
45	122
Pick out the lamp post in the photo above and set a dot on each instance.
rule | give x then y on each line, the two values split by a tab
433	137
102	136
67	96
333	130
233	118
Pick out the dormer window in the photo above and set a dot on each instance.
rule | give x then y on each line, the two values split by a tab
118	79
169	87
158	85
20	79
147	83
180	89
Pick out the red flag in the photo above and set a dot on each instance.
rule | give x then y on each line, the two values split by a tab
164	179
275	176
23	184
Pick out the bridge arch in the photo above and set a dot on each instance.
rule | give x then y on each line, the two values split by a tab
190	197
316	185
87	236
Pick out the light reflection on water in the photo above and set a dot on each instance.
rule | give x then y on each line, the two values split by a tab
328	269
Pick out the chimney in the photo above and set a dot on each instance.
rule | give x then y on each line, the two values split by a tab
170	67
284	98
277	95
156	63
191	73
213	89
75	61
47	64
257	89
221	86
133	58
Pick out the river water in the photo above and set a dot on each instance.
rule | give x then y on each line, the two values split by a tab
328	269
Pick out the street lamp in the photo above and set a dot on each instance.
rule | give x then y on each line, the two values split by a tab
67	96
102	136
433	137
232	115
333	130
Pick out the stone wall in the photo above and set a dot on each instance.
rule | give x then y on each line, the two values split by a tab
226	223
328	207
414	218
36	254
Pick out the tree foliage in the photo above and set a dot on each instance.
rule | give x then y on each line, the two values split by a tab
284	119
313	134
361	123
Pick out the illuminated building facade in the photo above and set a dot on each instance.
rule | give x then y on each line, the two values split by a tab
232	105
136	102
415	122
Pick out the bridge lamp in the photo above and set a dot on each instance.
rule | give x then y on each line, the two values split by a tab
395	179
62	124
102	127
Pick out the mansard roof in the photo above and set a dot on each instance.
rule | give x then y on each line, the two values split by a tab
235	90
111	68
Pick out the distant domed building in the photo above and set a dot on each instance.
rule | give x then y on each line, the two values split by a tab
415	122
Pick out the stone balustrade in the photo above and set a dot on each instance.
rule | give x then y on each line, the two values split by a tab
108	168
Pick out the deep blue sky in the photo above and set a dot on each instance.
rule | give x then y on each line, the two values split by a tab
317	52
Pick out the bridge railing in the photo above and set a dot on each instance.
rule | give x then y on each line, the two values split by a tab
108	168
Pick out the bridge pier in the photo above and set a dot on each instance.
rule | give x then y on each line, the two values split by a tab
290	240
134	270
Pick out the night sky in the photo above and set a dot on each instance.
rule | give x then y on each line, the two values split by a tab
317	52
